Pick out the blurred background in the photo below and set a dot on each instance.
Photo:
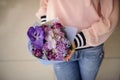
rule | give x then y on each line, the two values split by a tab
16	63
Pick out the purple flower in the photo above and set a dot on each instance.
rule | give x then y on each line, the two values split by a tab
45	47
51	55
60	47
45	28
59	56
36	36
57	25
31	33
37	53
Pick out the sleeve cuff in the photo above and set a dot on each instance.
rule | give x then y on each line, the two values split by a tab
43	19
80	40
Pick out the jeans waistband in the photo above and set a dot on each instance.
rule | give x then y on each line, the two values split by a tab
90	47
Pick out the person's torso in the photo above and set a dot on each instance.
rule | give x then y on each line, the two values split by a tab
76	13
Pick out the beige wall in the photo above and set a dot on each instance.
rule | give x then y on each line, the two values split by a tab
15	61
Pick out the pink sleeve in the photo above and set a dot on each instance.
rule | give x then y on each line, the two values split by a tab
99	31
42	9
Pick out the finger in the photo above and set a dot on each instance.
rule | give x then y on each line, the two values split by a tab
70	54
67	57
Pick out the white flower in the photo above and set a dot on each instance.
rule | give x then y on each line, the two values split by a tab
51	41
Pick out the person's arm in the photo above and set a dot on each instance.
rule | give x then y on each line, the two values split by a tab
99	31
41	14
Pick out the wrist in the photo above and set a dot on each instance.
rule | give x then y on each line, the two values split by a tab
73	46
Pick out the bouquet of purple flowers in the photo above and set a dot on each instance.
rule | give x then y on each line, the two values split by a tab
49	41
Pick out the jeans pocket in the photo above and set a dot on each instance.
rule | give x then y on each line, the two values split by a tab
93	53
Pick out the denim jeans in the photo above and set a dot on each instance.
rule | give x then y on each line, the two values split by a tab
83	65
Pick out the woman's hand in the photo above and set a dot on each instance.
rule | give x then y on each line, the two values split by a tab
71	52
